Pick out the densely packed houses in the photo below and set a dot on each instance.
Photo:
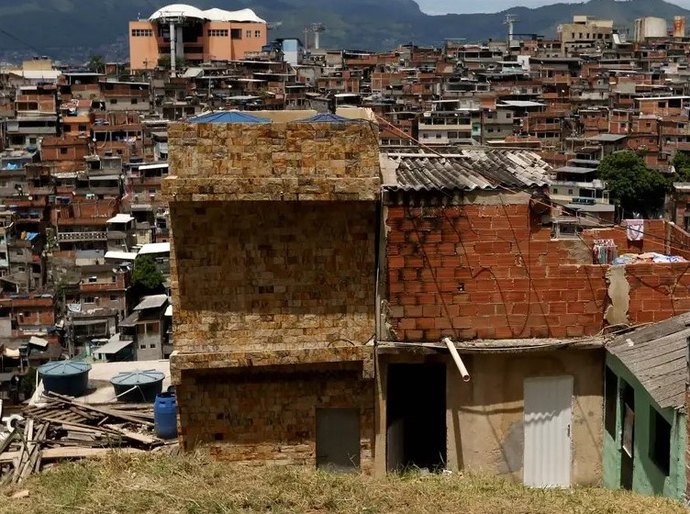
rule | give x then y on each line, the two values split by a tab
465	177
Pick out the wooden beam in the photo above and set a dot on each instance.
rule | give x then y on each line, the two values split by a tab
82	453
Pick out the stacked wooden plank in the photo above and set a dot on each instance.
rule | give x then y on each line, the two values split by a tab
62	428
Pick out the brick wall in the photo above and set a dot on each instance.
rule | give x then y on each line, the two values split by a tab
687	451
272	275
490	270
270	416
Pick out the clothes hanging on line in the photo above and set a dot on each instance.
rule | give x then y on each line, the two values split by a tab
635	230
604	251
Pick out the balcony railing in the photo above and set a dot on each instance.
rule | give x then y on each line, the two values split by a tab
82	236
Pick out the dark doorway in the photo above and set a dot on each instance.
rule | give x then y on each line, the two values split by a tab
416	416
627	434
337	439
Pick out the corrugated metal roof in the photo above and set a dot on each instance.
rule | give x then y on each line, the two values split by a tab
151	302
120	256
228	117
468	170
607	138
575	169
656	355
112	347
130	321
151	248
121	218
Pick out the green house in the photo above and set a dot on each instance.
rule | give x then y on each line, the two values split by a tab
645	425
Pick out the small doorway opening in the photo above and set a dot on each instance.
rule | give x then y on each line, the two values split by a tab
337	439
416	416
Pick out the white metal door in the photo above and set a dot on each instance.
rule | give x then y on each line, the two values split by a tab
548	416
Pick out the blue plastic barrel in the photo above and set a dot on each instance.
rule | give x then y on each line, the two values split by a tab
165	415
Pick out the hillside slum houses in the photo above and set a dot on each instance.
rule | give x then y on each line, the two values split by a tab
400	221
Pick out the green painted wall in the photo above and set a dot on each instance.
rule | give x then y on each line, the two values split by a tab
647	478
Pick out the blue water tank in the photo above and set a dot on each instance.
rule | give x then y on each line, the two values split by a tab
165	415
65	377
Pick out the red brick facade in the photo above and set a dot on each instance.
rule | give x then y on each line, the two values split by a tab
493	272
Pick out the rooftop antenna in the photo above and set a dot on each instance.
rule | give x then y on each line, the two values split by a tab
510	20
317	28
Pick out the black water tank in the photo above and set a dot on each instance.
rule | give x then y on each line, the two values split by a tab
68	377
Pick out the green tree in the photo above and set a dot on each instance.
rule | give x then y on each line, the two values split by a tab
164	62
633	186
27	385
681	162
96	64
146	276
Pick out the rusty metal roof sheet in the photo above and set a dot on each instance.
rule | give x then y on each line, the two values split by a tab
468	170
656	355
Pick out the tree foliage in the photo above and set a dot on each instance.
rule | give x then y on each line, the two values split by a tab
96	64
164	62
633	186
681	163
146	275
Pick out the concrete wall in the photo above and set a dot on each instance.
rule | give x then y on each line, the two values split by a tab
225	48
647	477
143	50
269	415
147	339
485	417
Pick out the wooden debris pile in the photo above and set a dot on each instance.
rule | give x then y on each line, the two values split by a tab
61	428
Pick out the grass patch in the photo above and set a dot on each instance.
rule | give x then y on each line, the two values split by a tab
155	483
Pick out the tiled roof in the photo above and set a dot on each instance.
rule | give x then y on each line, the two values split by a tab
468	170
656	355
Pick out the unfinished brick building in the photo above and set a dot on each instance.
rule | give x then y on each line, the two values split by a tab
287	262
472	254
274	265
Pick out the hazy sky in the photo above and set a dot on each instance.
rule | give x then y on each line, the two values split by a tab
467	6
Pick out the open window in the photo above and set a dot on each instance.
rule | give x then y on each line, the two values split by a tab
611	391
659	441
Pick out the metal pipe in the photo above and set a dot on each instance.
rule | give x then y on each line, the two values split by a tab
456	357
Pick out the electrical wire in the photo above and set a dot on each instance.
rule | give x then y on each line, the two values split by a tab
426	257
20	40
539	202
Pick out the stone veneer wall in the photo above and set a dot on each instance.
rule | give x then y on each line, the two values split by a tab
273	161
273	278
270	414
273	275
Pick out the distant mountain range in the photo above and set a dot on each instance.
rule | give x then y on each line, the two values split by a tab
74	29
